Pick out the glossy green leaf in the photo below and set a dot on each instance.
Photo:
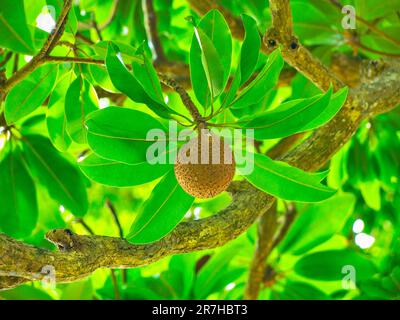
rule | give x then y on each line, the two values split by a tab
125	81
289	118
210	57
249	54
63	181
286	182
160	214
120	134
18	209
118	174
56	118
318	223
30	93
265	81
80	101
328	265
14	31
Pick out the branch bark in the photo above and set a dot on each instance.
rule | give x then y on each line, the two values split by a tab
81	255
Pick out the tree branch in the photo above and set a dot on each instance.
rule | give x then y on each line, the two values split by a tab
40	58
301	59
281	34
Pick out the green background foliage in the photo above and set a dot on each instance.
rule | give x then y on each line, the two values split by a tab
72	141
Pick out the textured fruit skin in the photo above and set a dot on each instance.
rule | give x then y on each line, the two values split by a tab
205	180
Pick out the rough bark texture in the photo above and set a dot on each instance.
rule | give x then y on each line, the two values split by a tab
81	255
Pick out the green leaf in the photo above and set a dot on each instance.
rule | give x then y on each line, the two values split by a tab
125	81
25	292
14	30
213	271
80	101
337	101
265	81
160	214
29	94
118	174
207	66
210	57
120	134
295	290
63	181
56	118
18	209
327	265
249	54
128	53
72	22
318	223
289	118
286	182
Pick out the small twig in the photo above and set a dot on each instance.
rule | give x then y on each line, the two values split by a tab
284	145
113	277
290	215
67	44
40	58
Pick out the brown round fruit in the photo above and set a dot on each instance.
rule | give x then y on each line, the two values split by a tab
205	166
